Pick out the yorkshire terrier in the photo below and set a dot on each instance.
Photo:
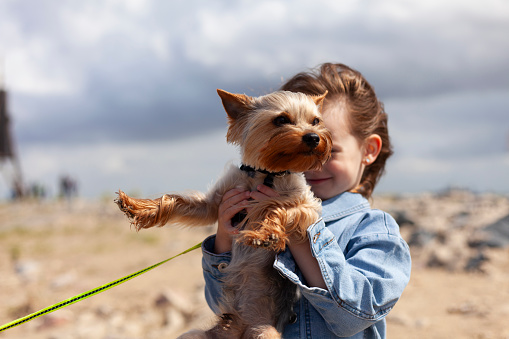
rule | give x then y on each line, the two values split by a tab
280	135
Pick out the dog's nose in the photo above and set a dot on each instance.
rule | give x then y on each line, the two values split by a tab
311	139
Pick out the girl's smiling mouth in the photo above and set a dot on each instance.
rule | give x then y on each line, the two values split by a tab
316	181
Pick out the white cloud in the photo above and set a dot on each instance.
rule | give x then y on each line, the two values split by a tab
258	38
134	6
29	67
159	45
101	66
25	72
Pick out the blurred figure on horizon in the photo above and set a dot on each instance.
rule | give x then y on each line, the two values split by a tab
68	188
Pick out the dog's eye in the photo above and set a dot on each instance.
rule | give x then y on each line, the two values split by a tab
281	120
315	122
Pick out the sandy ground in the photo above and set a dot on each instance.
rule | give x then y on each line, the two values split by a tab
50	251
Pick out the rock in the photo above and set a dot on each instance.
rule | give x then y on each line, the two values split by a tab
28	270
174	320
460	219
399	319
63	280
176	310
495	235
474	263
469	309
22	309
402	218
104	311
421	238
171	299
442	257
57	319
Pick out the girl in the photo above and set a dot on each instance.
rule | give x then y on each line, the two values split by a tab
355	266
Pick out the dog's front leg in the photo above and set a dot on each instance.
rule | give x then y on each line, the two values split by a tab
265	227
273	224
189	210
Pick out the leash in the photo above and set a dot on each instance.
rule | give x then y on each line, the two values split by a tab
88	294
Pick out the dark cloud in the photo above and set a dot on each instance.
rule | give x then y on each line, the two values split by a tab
130	110
454	127
91	73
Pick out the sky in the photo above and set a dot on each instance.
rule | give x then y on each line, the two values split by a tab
122	94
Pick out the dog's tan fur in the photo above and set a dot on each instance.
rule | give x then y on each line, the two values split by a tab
271	131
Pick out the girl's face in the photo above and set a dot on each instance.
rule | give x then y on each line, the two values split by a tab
344	169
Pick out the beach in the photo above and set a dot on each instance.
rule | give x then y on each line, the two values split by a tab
54	250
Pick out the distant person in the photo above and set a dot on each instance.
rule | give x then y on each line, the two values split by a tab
68	187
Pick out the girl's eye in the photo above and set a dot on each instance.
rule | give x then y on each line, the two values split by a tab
281	120
315	122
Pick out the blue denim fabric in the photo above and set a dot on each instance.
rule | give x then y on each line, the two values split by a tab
364	262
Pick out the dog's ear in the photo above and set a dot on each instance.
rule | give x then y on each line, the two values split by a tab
235	105
318	99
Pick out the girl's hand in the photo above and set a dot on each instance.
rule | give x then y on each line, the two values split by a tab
263	193
232	202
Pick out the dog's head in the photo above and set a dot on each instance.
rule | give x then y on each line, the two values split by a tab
279	131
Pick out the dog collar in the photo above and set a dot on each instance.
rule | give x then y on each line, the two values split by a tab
269	178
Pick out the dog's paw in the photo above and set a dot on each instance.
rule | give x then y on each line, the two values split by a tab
226	321
274	241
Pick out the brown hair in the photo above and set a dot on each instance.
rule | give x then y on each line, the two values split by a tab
367	115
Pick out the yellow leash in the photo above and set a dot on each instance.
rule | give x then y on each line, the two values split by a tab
87	294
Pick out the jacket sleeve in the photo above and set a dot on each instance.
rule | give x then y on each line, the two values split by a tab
364	280
213	265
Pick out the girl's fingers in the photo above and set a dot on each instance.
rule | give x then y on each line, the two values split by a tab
231	193
236	200
267	191
231	198
264	192
234	209
232	203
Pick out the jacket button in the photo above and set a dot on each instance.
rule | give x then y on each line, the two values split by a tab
221	267
293	318
315	237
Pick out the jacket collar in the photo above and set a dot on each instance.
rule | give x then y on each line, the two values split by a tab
342	205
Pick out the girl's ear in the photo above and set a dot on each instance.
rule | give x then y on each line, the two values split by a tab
372	147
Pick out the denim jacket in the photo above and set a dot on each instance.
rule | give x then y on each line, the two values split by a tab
364	262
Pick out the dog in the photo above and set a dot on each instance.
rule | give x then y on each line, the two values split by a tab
280	135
